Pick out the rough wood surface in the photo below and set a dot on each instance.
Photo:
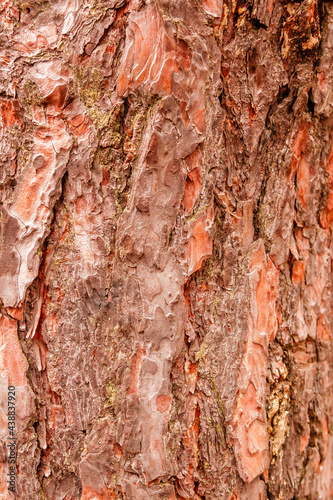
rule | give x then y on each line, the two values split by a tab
166	249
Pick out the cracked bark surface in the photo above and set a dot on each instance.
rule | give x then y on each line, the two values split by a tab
166	248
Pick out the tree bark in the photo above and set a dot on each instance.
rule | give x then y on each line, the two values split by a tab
166	249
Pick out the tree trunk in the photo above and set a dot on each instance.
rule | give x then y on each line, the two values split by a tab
166	249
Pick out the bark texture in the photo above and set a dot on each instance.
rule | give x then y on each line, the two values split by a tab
166	248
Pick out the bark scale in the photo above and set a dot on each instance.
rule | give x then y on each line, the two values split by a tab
166	248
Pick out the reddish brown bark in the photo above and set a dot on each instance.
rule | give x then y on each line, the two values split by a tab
166	249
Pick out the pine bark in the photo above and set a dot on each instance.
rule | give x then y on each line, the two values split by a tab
166	248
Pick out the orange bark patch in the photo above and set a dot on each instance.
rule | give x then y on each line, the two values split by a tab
91	494
251	447
249	433
299	147
163	404
213	7
148	53
298	272
3	484
13	362
9	110
15	312
266	296
164	82
152	57
79	125
323	331
199	119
